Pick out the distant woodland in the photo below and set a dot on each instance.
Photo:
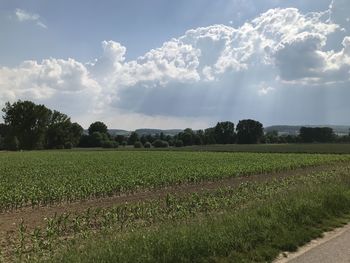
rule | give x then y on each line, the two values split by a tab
29	126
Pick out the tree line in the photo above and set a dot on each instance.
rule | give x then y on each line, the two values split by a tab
29	126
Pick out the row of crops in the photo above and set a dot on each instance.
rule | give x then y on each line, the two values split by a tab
276	215
40	178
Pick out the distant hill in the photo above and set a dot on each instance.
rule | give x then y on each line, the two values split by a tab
115	132
294	129
141	132
170	132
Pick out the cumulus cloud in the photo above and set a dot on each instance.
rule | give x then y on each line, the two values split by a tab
209	73
24	16
52	80
264	89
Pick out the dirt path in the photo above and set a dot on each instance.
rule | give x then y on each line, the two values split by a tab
9	221
333	247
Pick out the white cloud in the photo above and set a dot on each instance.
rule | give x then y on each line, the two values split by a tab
208	73
264	89
53	81
24	16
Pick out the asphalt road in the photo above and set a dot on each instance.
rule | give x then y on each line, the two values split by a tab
333	248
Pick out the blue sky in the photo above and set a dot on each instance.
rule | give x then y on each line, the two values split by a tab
78	27
177	64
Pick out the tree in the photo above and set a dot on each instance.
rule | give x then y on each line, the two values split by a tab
3	130
179	143
62	133
37	127
147	145
160	144
98	126
109	144
3	133
271	137
187	136
209	136
98	139
143	139
120	138
28	122
11	143
224	132
249	132
317	134
134	137
76	131
138	144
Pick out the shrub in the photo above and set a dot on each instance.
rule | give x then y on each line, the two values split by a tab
124	143
179	143
2	146
160	144
68	145
109	144
147	145
11	143
138	144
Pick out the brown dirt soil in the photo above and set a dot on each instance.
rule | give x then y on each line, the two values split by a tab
9	221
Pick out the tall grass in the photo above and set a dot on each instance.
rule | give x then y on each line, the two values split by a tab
255	233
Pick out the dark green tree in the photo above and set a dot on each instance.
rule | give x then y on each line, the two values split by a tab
98	126
119	139
160	144
272	137
249	132
97	139
147	145
187	137
316	134
11	143
224	132
138	144
27	122
62	133
209	136
3	130
134	137
76	131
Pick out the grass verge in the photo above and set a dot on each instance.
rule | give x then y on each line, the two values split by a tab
256	232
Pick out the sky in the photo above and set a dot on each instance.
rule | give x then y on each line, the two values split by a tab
177	64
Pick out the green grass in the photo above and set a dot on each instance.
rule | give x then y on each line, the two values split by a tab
325	148
274	217
39	178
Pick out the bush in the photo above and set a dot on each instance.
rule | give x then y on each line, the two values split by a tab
109	144
11	143
2	147
68	145
147	145
124	143
179	143
138	144
160	144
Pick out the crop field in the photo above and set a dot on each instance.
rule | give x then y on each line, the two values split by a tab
39	178
326	148
88	206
